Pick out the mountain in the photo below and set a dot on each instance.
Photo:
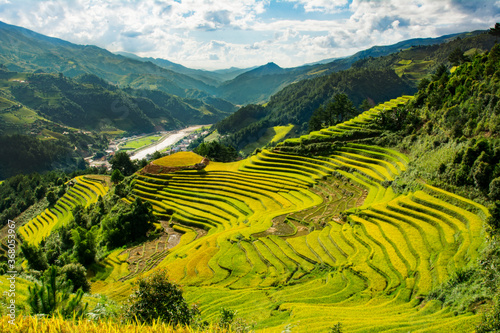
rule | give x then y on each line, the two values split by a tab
209	77
256	85
386	222
90	103
295	103
23	50
372	78
246	89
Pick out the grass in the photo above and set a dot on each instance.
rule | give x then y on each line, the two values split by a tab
31	324
271	135
141	142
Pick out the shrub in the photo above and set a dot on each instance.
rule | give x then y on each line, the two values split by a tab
77	274
226	317
490	321
337	328
51	198
128	223
35	256
481	173
116	176
495	189
157	298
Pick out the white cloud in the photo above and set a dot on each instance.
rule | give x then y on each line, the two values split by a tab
193	32
329	6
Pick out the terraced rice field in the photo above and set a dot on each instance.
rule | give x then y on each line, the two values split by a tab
305	242
82	190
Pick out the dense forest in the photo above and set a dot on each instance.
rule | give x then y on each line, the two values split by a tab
26	154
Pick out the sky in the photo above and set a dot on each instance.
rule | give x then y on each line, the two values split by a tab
216	34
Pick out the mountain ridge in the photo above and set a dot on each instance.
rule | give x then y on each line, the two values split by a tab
25	50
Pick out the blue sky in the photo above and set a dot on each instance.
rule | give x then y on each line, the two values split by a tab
213	34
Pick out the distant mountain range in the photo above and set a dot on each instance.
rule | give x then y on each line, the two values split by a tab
23	50
374	79
209	77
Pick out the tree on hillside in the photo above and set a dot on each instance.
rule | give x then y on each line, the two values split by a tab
365	105
121	161
457	57
335	112
441	72
495	31
128	223
51	198
35	256
216	151
158	298
77	274
85	247
116	176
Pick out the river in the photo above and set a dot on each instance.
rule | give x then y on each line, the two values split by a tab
168	140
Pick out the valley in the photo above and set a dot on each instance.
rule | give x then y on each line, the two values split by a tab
165	142
359	194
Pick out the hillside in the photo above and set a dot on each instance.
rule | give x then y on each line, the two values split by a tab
213	78
88	102
23	50
251	88
57	121
385	222
295	103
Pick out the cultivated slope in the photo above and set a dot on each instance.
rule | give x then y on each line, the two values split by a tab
83	191
309	241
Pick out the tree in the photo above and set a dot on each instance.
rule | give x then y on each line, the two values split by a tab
441	71
84	249
117	176
51	198
53	297
457	57
316	121
156	155
365	105
35	256
495	189
40	192
226	317
217	152
335	112
79	216
77	274
158	298
128	223
495	31
121	161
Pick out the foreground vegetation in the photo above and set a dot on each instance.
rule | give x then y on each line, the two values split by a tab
32	324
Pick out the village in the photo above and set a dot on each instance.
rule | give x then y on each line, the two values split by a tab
167	142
